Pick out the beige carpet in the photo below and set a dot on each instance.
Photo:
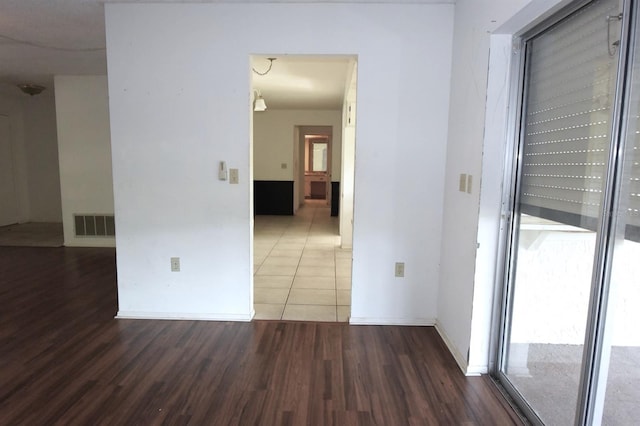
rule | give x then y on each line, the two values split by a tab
33	234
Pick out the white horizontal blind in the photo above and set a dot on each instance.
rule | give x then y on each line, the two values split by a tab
633	221
567	117
631	176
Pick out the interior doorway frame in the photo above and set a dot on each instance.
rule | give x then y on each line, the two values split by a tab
347	126
301	132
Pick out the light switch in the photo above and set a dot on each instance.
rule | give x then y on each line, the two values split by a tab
463	182
233	176
283	165
175	264
469	183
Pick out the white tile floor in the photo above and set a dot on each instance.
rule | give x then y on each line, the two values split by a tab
301	273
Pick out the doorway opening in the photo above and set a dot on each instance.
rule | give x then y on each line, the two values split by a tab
317	163
301	271
315	181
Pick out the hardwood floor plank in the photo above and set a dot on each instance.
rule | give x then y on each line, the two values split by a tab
64	359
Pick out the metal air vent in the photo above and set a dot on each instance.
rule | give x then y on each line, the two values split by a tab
94	225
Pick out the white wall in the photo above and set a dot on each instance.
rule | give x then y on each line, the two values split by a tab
298	169
16	200
273	140
84	153
180	102
42	157
477	148
348	158
8	194
34	156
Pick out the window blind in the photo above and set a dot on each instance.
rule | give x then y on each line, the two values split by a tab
570	84
631	176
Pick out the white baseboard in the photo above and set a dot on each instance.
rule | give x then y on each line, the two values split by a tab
477	370
183	316
391	321
460	360
91	243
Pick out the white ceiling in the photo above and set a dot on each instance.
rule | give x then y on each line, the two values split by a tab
43	38
302	82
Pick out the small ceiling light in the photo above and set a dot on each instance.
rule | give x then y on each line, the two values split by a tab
260	104
268	69
31	89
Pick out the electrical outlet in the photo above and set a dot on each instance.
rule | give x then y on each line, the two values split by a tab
175	264
400	269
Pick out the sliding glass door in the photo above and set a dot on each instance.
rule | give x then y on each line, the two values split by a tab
617	399
570	348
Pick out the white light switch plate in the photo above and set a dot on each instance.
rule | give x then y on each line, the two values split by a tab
462	186
233	176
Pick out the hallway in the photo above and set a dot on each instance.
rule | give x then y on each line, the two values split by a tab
300	271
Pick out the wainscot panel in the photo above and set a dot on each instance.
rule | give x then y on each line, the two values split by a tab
272	197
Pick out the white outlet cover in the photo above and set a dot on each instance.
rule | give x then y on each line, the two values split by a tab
175	264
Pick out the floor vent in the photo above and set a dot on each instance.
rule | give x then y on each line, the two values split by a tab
94	225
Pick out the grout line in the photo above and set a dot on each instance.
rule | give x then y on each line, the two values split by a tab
320	229
286	302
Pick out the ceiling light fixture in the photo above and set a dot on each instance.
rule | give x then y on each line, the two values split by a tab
260	104
268	69
31	89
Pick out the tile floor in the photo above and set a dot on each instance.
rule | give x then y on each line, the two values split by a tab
300	271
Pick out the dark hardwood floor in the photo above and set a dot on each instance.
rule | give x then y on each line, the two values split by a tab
64	359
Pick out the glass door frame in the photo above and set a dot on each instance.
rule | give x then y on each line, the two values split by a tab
591	391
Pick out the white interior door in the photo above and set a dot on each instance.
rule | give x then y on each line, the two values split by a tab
8	200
